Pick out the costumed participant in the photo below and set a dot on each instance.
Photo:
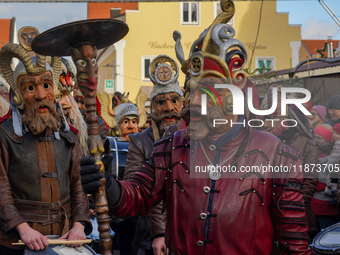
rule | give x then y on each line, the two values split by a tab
208	211
317	118
4	105
127	118
79	98
65	87
323	202
300	139
69	105
117	99
107	111
166	105
39	158
81	40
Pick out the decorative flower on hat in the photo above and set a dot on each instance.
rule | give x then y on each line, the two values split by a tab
163	70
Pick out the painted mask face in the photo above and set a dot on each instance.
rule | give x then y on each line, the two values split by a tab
38	96
219	106
65	103
84	58
81	105
66	81
166	109
128	126
36	89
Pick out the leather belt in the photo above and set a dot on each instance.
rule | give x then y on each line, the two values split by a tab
43	212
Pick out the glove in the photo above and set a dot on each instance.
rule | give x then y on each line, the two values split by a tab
107	161
90	175
112	188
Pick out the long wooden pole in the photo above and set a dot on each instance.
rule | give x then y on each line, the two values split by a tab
96	148
87	81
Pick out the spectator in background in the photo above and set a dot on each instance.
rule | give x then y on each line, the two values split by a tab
301	140
317	118
326	212
333	109
333	165
324	137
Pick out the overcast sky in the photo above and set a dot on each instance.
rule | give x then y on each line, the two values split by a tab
316	22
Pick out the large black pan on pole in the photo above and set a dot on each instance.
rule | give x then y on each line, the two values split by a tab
101	33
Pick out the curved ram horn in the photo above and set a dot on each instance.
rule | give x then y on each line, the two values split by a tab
56	66
8	52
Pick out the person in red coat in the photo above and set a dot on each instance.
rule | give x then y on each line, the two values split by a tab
223	186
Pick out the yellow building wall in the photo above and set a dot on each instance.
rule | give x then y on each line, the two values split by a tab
150	34
303	54
152	25
107	72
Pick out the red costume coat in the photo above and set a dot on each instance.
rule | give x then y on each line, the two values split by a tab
243	212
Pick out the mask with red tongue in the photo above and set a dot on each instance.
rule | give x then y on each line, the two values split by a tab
84	57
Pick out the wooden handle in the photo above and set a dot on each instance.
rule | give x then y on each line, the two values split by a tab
94	143
58	241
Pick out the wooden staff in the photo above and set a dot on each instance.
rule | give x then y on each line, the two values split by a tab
96	148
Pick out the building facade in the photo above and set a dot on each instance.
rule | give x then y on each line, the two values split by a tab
266	34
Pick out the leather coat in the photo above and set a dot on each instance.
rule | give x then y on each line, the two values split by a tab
140	149
40	183
239	213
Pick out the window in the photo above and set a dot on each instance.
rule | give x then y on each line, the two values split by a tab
218	10
265	64
146	61
190	13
